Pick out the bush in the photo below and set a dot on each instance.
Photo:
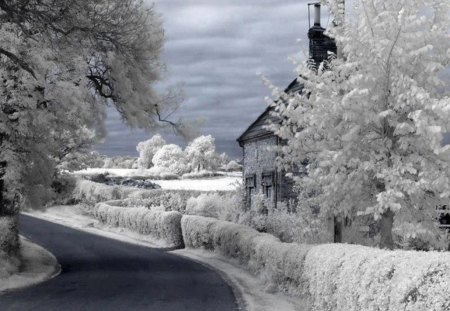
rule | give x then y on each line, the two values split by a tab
91	193
280	265
331	276
220	205
350	277
158	224
207	205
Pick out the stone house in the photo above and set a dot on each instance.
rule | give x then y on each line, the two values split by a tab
260	145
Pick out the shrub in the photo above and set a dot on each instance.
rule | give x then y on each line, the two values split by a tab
278	264
91	193
158	224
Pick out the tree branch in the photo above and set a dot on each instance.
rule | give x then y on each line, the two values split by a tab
18	61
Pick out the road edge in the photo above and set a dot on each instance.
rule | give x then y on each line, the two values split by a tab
241	302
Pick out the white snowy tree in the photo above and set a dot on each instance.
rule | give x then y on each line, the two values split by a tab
169	159
371	126
147	150
60	62
201	153
233	166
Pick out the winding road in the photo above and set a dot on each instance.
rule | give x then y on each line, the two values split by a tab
102	274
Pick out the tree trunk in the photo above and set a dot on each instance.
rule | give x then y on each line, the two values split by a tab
9	235
337	230
9	229
387	222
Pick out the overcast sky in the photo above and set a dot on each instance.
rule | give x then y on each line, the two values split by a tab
219	49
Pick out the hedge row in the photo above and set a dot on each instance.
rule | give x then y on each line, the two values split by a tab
157	224
91	193
331	276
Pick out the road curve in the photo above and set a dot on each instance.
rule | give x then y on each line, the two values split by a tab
102	274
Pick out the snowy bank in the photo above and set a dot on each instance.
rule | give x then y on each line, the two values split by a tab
331	276
37	265
157	224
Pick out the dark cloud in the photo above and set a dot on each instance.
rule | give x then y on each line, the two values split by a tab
219	49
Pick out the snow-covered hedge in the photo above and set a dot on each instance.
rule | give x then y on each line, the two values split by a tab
158	224
91	192
351	277
171	200
331	276
280	264
215	204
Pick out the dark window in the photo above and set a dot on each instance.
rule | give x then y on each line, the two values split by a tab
267	182
444	217
250	185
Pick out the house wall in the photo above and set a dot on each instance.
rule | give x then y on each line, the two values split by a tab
259	157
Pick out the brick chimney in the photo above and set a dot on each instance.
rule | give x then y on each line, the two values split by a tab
319	43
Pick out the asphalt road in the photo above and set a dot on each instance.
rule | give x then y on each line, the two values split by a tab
101	274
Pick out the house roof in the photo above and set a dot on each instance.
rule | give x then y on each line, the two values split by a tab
258	128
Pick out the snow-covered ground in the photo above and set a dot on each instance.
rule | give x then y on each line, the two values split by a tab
228	182
38	265
205	184
251	293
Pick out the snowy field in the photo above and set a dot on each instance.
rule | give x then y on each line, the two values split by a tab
38	265
228	182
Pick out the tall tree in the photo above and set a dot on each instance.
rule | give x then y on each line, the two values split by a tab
61	61
147	149
371	126
201	153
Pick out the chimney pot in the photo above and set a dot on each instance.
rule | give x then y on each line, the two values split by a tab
317	14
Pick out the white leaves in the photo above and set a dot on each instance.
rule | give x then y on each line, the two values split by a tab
389	199
352	134
403	128
373	132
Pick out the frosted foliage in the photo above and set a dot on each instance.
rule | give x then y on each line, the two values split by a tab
201	153
233	166
213	205
91	193
61	61
346	277
169	159
147	150
158	224
170	200
371	126
330	276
